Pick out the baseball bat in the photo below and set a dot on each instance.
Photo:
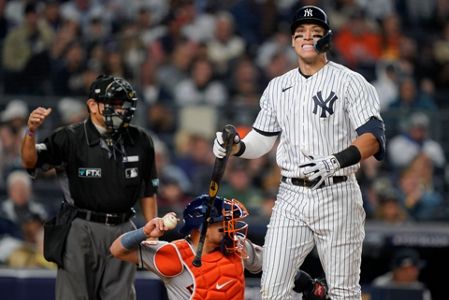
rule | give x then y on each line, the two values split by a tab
229	133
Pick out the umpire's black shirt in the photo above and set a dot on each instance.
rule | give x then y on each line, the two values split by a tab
99	179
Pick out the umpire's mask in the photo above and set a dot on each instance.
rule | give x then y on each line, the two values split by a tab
119	99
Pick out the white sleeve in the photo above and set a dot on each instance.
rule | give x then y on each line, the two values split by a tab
257	144
255	254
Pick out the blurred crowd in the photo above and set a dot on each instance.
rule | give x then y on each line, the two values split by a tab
200	64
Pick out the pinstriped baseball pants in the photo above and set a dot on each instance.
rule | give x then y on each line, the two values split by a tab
332	219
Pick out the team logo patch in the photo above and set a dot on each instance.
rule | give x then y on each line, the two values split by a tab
327	106
89	172
131	173
308	13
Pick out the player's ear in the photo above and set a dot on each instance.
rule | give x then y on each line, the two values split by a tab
92	105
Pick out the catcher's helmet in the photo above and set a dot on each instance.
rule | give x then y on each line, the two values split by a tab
230	212
113	91
315	15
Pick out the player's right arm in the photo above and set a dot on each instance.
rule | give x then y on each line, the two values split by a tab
262	137
254	145
28	150
125	246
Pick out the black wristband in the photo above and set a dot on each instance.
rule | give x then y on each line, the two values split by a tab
348	157
242	149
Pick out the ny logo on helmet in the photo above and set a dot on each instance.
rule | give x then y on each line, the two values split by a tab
327	106
308	13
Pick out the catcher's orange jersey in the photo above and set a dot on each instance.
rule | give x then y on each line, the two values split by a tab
219	277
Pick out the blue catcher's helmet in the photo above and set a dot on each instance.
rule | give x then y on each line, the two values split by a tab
229	212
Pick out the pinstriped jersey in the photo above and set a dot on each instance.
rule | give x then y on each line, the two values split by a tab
318	115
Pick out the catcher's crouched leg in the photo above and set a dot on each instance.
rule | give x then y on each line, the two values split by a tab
311	289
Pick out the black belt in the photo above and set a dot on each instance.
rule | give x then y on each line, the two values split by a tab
104	218
310	183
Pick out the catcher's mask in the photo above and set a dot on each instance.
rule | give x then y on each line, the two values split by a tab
119	99
229	212
311	14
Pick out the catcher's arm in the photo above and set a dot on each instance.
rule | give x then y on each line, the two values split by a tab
229	133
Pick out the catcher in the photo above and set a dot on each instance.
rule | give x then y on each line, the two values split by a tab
226	253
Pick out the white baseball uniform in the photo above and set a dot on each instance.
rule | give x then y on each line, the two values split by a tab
318	116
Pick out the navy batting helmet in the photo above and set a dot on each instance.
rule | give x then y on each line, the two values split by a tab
315	15
310	14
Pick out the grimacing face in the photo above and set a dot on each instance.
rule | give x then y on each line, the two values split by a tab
304	39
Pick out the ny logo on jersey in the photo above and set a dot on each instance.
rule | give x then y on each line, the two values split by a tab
308	13
326	105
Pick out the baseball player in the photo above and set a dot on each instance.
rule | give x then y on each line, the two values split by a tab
226	254
327	118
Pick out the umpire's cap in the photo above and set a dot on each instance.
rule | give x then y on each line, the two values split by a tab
310	14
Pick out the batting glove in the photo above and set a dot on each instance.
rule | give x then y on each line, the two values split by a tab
320	169
218	149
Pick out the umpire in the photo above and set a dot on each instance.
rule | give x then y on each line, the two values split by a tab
105	165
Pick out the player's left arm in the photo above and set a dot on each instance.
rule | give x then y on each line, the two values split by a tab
371	139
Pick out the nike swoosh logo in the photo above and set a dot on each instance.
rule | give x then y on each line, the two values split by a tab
220	286
287	88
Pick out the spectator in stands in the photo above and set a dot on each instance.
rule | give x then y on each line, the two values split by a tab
172	196
71	111
12	127
358	44
52	14
391	37
26	53
239	184
418	197
201	87
225	46
390	210
30	252
19	205
245	91
195	158
405	147
386	83
4	22
67	73
405	268
175	69
165	167
410	99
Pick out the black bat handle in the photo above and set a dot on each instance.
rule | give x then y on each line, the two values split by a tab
229	132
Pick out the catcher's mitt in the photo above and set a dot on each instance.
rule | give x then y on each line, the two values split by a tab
311	289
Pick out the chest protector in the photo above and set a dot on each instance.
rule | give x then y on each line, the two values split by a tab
219	277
